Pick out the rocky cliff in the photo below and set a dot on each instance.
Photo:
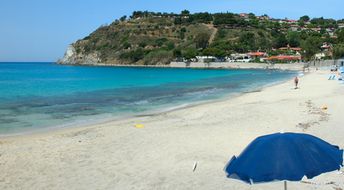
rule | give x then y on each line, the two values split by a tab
72	57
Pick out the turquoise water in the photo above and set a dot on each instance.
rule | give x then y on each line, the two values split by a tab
41	95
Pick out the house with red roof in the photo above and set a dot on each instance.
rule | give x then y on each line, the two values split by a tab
293	49
257	54
289	54
244	15
284	58
291	21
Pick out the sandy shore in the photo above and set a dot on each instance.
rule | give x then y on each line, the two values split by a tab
116	155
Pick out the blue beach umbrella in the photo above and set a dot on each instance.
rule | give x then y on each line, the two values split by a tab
284	156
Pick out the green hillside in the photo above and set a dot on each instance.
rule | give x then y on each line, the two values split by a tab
158	38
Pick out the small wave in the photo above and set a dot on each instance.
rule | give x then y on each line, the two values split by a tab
204	93
141	102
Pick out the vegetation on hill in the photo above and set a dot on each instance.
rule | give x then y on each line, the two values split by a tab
158	38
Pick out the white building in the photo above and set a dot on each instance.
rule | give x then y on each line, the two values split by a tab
237	57
320	56
206	58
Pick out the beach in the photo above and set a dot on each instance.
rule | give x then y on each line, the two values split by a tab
162	154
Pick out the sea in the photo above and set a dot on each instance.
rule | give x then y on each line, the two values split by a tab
43	96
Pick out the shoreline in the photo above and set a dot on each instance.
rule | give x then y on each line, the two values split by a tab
201	65
161	155
149	113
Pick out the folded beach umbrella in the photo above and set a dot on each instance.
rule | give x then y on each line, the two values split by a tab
284	156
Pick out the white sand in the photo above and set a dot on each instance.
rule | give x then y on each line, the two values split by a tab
161	155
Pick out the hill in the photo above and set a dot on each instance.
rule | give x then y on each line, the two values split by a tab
149	38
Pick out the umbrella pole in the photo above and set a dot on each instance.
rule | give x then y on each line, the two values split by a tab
285	185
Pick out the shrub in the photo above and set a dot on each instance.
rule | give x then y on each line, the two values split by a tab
133	55
158	56
189	53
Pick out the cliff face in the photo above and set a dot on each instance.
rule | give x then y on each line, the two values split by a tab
74	58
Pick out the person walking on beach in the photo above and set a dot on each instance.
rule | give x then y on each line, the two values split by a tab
296	81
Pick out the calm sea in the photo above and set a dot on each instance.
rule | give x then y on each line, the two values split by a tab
36	96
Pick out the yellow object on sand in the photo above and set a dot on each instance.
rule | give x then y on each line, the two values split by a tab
324	107
140	126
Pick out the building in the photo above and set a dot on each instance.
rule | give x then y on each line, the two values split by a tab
244	15
320	56
291	21
274	20
206	59
316	29
263	17
294	27
326	46
284	58
282	21
258	55
240	57
326	49
293	49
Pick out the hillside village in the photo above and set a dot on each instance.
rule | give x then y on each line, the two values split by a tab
150	38
288	54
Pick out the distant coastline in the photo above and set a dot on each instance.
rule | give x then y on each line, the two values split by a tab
212	65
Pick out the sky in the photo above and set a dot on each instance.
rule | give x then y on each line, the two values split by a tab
41	30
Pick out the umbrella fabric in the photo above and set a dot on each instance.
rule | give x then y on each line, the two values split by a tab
284	156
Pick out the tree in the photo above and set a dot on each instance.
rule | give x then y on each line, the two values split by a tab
221	33
301	23
280	41
311	46
160	41
137	14
177	20
304	18
202	40
134	55
158	56
293	39
123	18
185	12
340	35
126	45
225	18
201	17
143	44
177	53
251	16
324	23
170	45
247	39
189	53
214	52
182	33
338	51
264	43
